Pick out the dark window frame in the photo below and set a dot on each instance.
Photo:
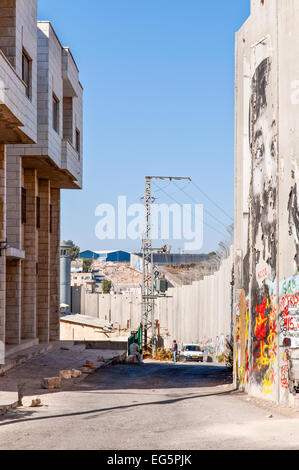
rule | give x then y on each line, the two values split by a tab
27	72
37	212
78	142
24	206
51	219
55	113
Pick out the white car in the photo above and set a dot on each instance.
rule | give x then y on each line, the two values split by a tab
191	352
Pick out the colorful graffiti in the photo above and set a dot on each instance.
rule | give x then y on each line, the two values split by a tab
242	337
289	332
284	373
264	344
289	312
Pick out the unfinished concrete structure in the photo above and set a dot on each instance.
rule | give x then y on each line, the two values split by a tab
40	153
266	255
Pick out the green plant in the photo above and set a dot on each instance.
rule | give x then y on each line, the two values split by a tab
106	286
75	252
86	265
221	358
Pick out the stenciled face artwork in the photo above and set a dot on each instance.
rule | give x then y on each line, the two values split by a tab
293	211
263	136
262	228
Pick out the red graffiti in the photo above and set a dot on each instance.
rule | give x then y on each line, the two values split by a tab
264	348
262	274
285	311
285	377
288	301
260	327
289	324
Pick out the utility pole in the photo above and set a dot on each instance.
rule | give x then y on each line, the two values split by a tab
148	276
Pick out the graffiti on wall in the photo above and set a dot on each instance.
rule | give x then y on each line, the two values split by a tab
289	313
293	211
289	330
264	344
260	260
242	337
273	315
284	372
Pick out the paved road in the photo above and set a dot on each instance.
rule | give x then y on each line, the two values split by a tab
157	406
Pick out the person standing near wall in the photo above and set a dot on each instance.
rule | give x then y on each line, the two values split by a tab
174	351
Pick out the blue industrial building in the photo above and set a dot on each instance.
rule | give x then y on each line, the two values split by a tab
117	256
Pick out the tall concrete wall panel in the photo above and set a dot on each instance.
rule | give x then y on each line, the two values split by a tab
266	202
197	313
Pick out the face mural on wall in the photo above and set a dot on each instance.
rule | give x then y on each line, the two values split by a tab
263	136
261	255
293	210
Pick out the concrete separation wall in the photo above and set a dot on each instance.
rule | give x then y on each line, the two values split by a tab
197	313
266	203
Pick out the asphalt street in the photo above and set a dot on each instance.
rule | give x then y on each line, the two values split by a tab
151	407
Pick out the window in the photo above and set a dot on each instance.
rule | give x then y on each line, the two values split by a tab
78	141
192	348
51	219
26	73
23	206
37	212
55	114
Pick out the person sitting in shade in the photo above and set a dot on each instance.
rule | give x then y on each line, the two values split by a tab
134	351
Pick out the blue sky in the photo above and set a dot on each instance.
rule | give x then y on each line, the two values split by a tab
158	79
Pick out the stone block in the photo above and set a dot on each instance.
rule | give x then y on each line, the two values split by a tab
89	364
36	403
86	370
51	383
65	374
76	373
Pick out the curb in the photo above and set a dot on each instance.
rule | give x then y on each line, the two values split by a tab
4	409
114	361
22	358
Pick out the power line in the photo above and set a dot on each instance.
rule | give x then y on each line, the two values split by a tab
213	202
172	194
148	277
205	223
196	202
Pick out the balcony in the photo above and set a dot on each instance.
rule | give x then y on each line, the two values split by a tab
17	115
70	74
71	163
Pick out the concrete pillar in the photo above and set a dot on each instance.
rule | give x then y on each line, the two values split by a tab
29	327
14	239
2	238
13	201
43	278
55	261
13	301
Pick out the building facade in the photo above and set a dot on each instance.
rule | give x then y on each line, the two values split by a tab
117	256
266	259
40	154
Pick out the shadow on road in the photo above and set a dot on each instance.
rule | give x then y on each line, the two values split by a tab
159	375
19	415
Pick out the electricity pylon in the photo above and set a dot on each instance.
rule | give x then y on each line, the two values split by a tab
148	278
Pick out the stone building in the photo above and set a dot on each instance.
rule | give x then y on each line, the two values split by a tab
40	154
266	202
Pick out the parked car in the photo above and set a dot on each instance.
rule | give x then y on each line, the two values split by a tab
191	352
